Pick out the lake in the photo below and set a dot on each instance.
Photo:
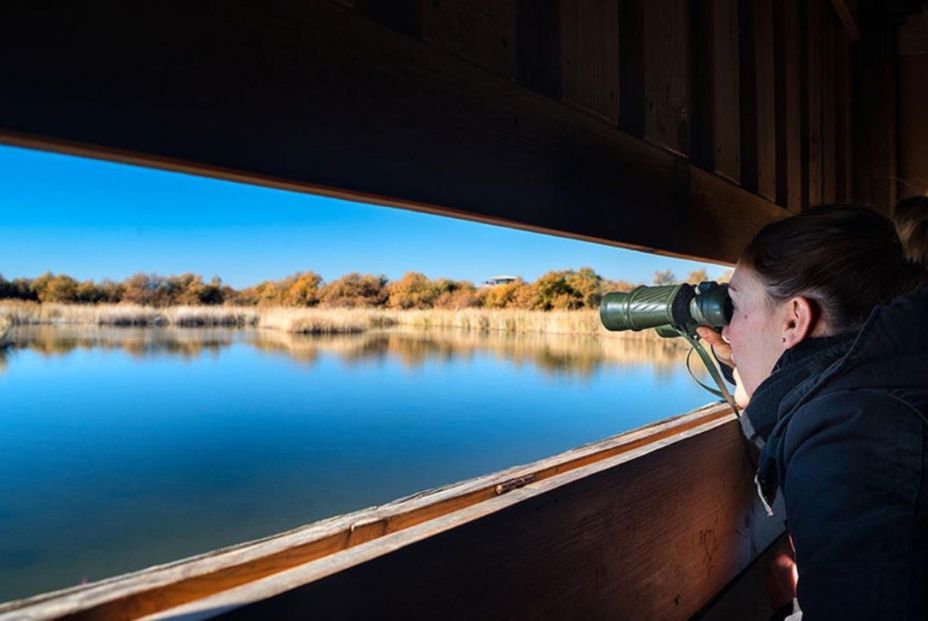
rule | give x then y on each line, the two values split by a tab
122	448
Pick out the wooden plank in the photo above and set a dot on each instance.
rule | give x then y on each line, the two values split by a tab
913	105
758	112
160	588
401	15
717	113
590	56
829	117
744	598
788	109
668	106
631	67
538	45
875	148
812	103
323	100
714	201
481	31
844	159
675	518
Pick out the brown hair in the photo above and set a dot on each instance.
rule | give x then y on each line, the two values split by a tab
845	258
911	218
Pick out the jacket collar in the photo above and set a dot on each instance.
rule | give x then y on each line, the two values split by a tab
792	376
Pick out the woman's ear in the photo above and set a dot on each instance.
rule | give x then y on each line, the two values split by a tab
801	320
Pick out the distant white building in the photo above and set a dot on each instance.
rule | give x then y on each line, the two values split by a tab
500	280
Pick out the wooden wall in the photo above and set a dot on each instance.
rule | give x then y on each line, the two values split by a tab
913	106
677	126
755	91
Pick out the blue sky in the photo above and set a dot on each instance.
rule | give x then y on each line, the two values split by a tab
95	219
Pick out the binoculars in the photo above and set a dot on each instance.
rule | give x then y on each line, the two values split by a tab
671	309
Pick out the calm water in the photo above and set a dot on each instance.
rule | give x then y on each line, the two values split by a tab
122	448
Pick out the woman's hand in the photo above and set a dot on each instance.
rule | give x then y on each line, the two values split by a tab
720	348
722	351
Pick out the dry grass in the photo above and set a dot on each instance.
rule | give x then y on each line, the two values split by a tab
32	313
316	320
5	325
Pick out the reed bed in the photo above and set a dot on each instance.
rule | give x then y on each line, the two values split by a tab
32	313
325	320
315	320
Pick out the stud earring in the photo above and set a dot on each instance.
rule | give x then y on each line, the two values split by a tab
783	339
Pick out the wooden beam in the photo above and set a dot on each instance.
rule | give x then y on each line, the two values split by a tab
317	97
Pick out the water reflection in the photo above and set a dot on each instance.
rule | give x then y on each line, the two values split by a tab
554	354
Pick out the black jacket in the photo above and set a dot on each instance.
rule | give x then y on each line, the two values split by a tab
844	436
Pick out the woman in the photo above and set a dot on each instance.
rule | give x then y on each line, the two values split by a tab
829	335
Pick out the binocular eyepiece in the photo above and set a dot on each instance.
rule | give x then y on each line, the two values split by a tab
667	308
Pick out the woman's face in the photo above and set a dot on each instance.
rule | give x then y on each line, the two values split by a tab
756	330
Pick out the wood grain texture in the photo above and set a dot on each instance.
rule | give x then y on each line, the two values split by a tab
829	104
538	47
787	44
717	112
844	154
667	89
758	111
590	56
812	102
875	101
481	31
913	105
631	68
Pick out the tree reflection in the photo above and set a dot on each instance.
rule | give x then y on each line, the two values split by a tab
554	354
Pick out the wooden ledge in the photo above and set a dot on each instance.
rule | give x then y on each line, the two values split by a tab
256	569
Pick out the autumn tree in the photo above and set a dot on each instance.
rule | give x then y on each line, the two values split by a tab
413	290
515	294
302	289
354	290
456	294
555	291
588	285
55	288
